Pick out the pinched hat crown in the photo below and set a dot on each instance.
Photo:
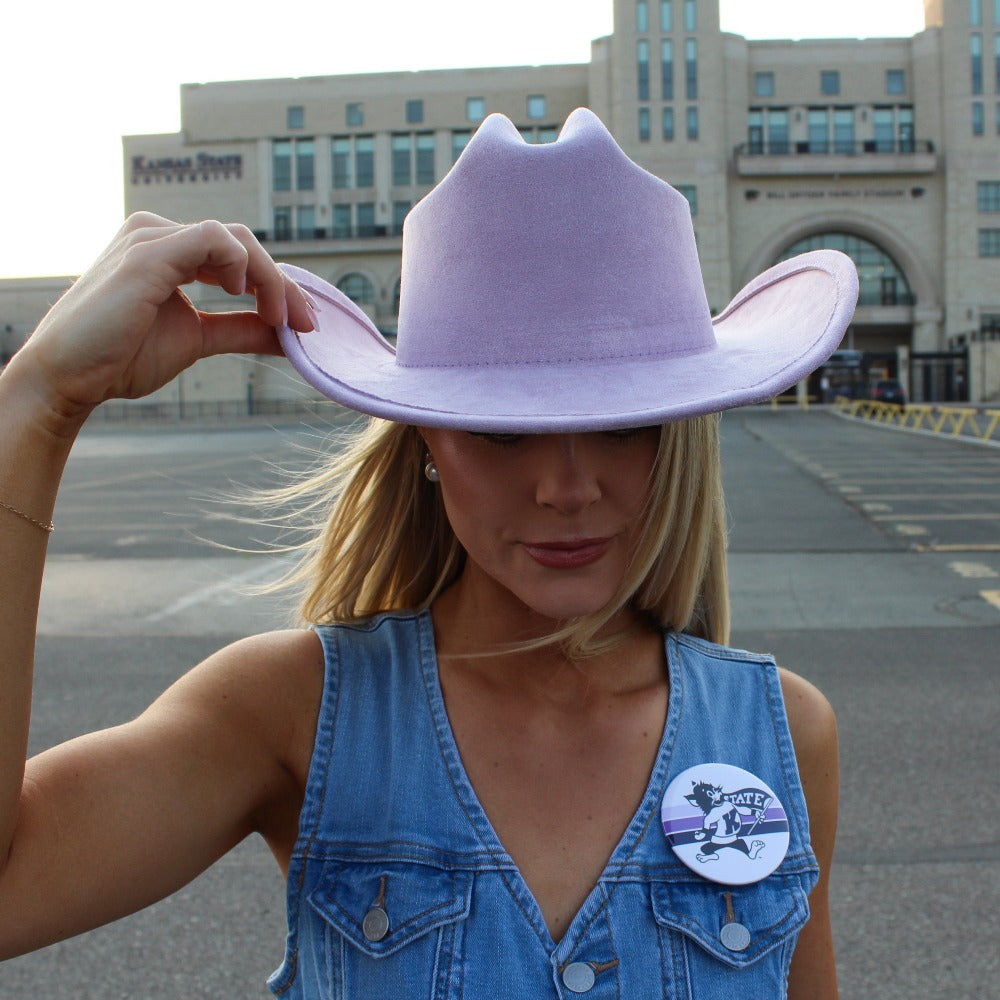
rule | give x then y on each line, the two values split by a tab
557	288
592	259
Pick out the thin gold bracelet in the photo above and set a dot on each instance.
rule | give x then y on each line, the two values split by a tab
48	528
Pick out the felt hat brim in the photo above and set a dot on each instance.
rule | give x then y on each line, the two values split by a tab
776	331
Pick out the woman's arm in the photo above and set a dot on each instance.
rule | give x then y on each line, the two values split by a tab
116	819
814	734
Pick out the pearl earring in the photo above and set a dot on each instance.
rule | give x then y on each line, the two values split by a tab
431	470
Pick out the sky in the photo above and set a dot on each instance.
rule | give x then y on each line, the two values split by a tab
75	78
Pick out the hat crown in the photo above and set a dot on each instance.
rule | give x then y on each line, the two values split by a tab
538	254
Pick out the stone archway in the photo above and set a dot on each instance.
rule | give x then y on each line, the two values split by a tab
883	236
926	316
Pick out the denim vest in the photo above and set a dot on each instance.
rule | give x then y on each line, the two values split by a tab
400	888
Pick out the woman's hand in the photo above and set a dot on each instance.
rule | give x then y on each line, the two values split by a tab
125	329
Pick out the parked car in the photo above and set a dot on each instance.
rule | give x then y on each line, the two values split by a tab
889	390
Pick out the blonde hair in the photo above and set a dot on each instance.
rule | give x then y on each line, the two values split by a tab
386	543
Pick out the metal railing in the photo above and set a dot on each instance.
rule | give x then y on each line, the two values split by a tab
952	421
836	147
361	232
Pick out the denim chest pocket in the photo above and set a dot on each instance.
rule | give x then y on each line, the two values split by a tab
393	929
749	931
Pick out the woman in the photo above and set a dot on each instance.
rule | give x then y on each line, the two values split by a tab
481	772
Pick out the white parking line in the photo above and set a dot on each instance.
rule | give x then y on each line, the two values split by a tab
973	571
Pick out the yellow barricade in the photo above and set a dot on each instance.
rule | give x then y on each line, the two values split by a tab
953	421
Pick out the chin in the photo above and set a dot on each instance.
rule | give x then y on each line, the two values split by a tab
566	608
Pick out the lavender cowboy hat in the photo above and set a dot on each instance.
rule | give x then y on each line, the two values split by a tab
557	288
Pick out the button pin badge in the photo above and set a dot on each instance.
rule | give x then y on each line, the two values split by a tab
725	823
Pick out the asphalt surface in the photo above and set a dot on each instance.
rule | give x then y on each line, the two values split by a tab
866	559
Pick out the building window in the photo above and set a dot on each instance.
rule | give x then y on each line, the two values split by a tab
989	326
667	69
295	117
893	130
475	109
537	107
884	130
353	161
829	82
668	124
975	12
399	213
895	81
357	288
402	157
755	132
978	120
283	222
414	111
642	16
548	134
692	123
642	69
690	191
364	161
691	69
281	164
996	61
690	15
777	131
305	165
355	115
341	222
425	158
998	118
459	140
341	149
763	84
305	222
907	132
643	124
667	15
843	130
988	196
989	242
366	219
818	120
976	63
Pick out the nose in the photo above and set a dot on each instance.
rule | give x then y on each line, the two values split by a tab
567	475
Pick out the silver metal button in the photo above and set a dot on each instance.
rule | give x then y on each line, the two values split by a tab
376	924
735	936
578	977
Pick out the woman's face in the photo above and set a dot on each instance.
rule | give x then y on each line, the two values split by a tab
551	520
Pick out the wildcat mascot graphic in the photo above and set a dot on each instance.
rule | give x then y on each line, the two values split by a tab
724	812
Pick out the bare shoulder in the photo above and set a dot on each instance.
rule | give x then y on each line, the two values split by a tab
273	681
814	735
810	715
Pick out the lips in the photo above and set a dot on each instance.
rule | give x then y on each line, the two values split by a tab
570	554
